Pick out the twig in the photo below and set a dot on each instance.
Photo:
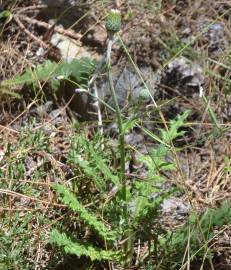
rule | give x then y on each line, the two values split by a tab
57	29
16	194
138	253
9	129
3	128
24	209
32	36
30	8
62	110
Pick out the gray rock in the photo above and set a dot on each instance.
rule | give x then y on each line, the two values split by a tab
215	35
187	77
128	86
70	49
42	110
134	138
175	206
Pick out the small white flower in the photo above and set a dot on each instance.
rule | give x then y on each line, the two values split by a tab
80	90
60	77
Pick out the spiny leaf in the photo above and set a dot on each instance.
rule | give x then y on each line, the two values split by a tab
173	132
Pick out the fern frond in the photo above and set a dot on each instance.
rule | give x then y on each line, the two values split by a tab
70	200
89	171
42	72
70	247
8	92
102	166
93	163
77	70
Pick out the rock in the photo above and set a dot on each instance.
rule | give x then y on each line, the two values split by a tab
134	138
214	36
69	48
44	109
183	75
176	207
58	116
128	86
96	38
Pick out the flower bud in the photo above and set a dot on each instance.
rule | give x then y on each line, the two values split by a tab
144	96
113	22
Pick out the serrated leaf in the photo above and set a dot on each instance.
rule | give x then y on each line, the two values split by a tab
168	135
70	247
129	124
68	198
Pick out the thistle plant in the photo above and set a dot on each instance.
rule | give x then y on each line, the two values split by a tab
130	211
113	25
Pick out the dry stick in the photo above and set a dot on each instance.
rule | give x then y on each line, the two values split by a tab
26	181
17	117
32	36
30	8
16	194
9	129
24	209
57	29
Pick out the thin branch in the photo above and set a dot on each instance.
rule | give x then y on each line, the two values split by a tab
68	33
16	194
30	8
31	35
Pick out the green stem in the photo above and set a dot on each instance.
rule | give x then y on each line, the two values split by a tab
211	112
120	126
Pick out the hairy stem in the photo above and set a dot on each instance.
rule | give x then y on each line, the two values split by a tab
120	125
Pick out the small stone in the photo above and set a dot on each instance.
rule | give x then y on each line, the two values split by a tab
134	138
